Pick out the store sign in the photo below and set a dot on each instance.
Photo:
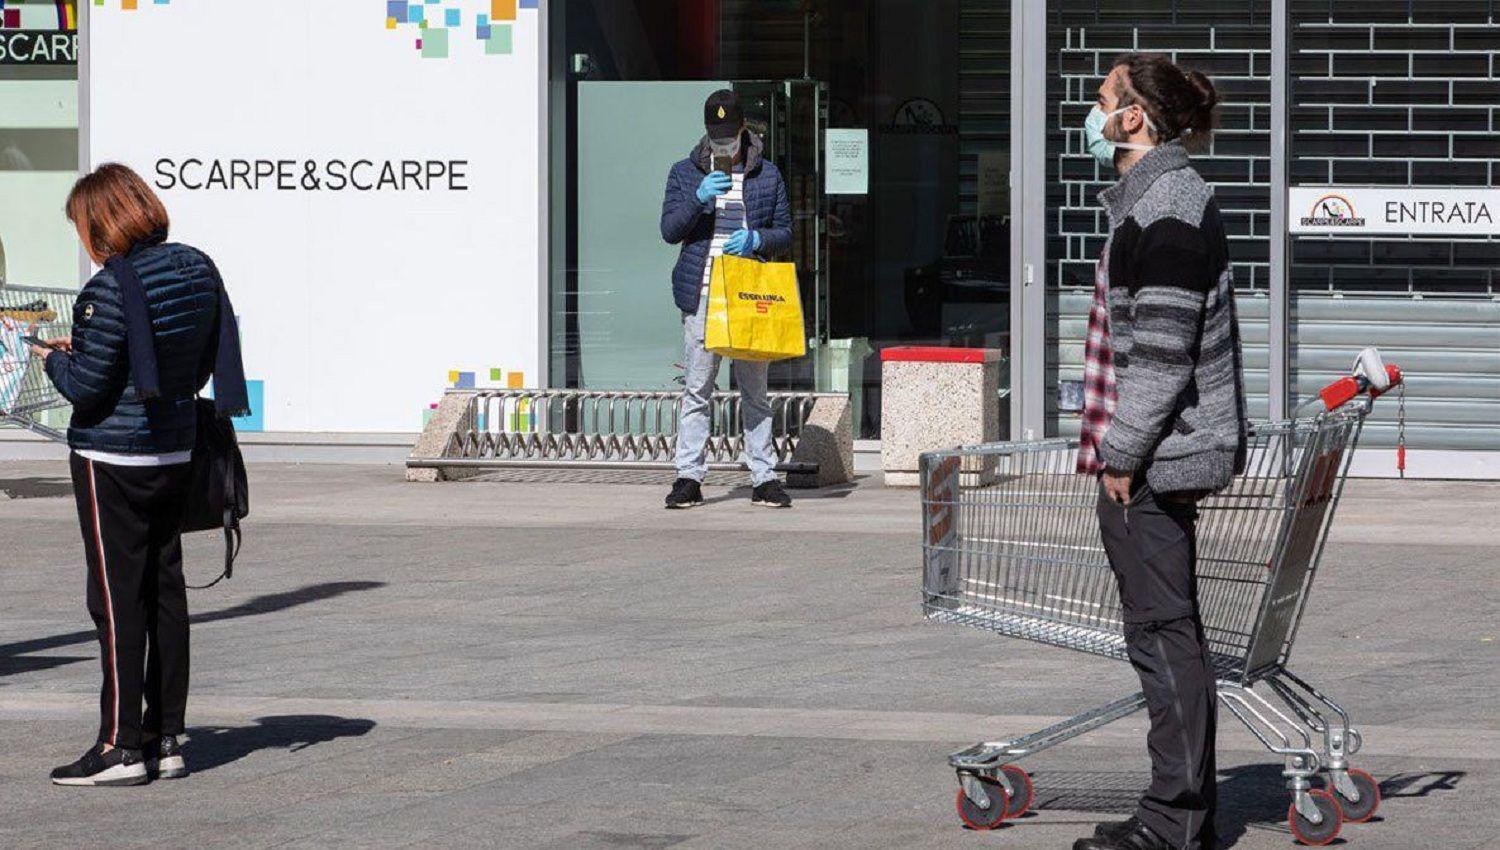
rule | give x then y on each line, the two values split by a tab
38	47
374	197
1366	210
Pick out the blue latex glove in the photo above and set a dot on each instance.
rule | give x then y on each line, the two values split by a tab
715	183
742	243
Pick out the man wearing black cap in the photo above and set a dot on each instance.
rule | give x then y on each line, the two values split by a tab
725	198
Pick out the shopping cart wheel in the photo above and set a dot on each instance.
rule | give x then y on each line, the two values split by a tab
982	819
1020	802
1369	797
1317	834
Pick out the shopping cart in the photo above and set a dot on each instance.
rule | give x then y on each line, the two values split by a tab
1011	545
25	391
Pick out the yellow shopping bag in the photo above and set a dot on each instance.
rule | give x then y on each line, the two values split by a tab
754	310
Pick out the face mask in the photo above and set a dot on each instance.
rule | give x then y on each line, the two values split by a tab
1103	149
725	147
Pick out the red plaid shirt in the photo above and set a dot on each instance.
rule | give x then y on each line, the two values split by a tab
1099	395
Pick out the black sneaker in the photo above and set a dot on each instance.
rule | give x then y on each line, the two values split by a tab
770	495
96	767
164	758
1137	837
686	493
1116	828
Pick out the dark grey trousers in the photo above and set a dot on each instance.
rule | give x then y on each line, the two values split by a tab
1152	547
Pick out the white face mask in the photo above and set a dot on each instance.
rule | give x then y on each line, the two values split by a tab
725	147
1103	149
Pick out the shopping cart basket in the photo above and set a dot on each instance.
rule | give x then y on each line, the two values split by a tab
1011	545
25	391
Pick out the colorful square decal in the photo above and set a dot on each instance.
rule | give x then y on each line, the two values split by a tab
465	381
502	10
499	42
256	421
435	44
516	380
452	17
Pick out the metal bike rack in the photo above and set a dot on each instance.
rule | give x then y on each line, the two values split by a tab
475	430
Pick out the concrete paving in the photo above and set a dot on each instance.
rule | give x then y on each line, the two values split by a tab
533	662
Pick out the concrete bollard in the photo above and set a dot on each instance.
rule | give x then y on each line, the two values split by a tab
937	398
452	415
826	439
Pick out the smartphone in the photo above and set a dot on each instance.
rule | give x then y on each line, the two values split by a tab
36	340
724	163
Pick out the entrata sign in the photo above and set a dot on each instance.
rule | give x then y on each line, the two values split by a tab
373	192
1375	210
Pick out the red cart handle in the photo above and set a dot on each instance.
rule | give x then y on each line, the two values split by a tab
1345	390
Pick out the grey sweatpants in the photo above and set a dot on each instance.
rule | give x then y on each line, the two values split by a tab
1152	548
701	370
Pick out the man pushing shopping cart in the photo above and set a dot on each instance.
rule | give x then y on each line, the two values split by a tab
1188	543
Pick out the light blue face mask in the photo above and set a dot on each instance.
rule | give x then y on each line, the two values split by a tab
1103	149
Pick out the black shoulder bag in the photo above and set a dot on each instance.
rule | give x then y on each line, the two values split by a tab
219	492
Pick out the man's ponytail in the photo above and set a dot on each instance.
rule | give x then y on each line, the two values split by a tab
1199	121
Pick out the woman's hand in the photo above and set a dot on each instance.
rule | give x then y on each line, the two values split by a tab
60	343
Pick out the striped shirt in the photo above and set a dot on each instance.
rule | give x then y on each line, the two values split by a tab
729	216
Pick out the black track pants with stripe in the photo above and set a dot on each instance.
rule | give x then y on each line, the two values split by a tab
130	517
1152	548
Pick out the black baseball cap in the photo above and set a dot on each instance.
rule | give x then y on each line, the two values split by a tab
722	115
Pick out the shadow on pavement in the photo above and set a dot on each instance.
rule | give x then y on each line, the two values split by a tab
11	663
736	481
1420	784
35	488
1109	793
209	747
1250	796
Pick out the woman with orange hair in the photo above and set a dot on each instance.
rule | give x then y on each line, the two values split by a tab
148	331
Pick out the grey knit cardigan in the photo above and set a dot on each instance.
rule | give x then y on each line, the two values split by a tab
1175	336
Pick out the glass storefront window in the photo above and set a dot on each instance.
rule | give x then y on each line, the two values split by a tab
1384	92
1230	41
38	142
921	257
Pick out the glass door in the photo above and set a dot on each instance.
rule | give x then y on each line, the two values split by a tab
908	243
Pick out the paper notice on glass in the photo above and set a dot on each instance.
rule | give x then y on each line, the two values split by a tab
848	162
994	183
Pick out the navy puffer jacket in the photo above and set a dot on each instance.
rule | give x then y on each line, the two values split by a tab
181	297
687	221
